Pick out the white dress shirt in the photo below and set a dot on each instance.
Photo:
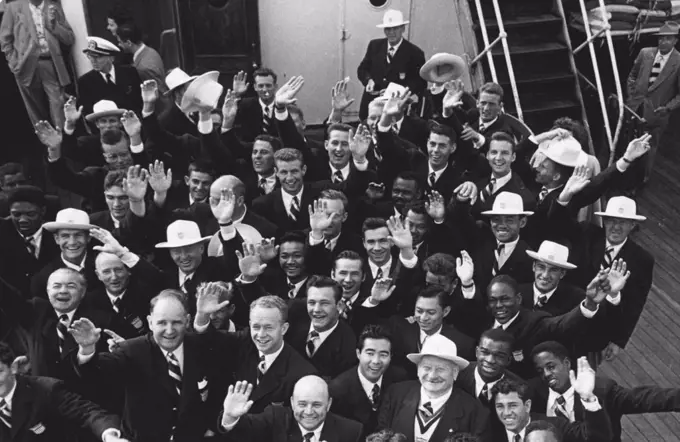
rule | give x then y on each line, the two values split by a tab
269	182
345	171
502	181
385	268
423	336
9	396
297	285
178	353
288	201
479	384
317	433
661	59
267	109
112	73
437	173
569	405
322	335
508	248
70	265
182	277
36	240
268	359
436	405
538	293
368	385
505	326
511	435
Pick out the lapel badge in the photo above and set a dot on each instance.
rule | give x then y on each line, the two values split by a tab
38	429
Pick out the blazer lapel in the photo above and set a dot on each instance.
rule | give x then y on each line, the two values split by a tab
21	406
279	207
190	375
29	19
449	420
160	368
274	374
330	432
412	339
670	67
407	413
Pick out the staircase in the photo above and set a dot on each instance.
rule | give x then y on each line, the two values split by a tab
541	60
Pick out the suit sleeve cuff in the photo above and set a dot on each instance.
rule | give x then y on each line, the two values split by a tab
205	127
110	432
367	303
614	300
68	131
592	406
587	313
230	426
129	259
137	148
84	359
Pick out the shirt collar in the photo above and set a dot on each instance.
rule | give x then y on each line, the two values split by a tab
317	432
77	268
265	106
567	395
112	298
507	324
138	51
112	73
487	124
508	247
178	353
385	267
502	181
297	285
270	358
8	397
396	47
398	123
37	236
437	173
511	435
70	315
288	198
324	334
538	293
116	223
436	403
183	276
479	383
368	385
345	170
617	248
424	335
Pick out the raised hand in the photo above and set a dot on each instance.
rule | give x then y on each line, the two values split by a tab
114	340
611	351
596	291
85	334
397	103
466	191
454	94
637	147
71	112
469	133
286	93
131	123
382	290
318	219
208	298
340	96
250	262
159	181
50	137
149	91
229	109
109	242
240	84
223	211
359	142
435	206
578	180
617	276
400	233
584	383
237	403
537	158
465	268
268	249
136	182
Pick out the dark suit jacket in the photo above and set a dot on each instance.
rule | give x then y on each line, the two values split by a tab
44	410
248	124
350	399
462	413
416	130
39	280
17	265
504	123
141	368
271	207
277	424
208	224
133	231
336	354
616	400
562	301
126	93
173	120
322	260
515	185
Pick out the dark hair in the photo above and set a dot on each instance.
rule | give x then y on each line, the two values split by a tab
578	131
498	335
444	130
409	175
113	136
29	194
322	282
120	14
332	194
175	294
10	169
129	31
342	127
440	264
373	223
507	386
202	166
503	279
417	207
374	331
114	179
504	137
547	426
264	72
348	254
7	355
386	435
274	142
553	347
293	236
492	88
433	291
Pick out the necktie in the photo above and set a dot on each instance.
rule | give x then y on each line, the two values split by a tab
175	372
291	290
542	300
261	369
337	177
62	331
295	208
267	120
484	395
311	345
428	408
186	284
487	191
5	414
395	129
560	407
543	194
432	180
327	244
116	304
375	396
109	80
482	127
379	274
390	54
307	437
348	304
517	438
496	264
263	186
656	70
608	258
30	245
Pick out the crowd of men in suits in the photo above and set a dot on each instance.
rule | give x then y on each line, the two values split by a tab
228	277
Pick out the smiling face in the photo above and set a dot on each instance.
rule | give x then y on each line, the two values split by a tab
378	245
108	123
265	86
188	258
337	147
374	358
403	192
199	185
263	158
291	175
553	371
292	259
500	157
429	314
617	229
117	156
27	217
112	273
436	375
72	243
493	357
506	228
439	150
547	276
65	291
267	329
322	308
504	303
350	274
512	411
310	402
168	323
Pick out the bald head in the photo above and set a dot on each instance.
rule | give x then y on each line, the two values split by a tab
105	258
229	182
311	384
310	402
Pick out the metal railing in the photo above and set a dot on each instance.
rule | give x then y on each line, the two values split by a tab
590	38
503	39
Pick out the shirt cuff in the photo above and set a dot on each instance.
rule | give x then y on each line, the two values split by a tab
592	406
205	127
110	432
146	114
314	242
383	128
361	167
129	259
532	138
137	148
240	280
439	222
468	293
587	313
228	233
367	303
281	115
411	263
229	427
84	359
619	168
200	328
68	132
614	300
224	131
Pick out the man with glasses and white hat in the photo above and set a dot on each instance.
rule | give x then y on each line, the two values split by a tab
432	408
173	118
105	81
390	60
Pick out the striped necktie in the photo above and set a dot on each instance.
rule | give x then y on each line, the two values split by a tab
338	177
488	190
175	372
311	342
608	258
560	408
432	180
496	264
5	414
294	208
390	54
656	70
267	120
261	369
544	192
541	301
375	396
62	331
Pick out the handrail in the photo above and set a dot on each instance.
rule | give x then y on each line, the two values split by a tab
590	37
503	39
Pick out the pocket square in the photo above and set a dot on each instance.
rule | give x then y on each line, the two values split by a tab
203	389
38	428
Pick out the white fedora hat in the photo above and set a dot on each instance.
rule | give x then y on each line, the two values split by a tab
440	347
621	207
177	78
507	203
69	219
443	67
104	108
100	46
392	19
554	254
204	92
566	152
182	233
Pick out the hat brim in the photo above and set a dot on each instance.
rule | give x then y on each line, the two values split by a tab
392	25
443	69
187	242
98	52
562	265
108	113
53	226
494	212
581	159
630	217
195	86
188	80
460	362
